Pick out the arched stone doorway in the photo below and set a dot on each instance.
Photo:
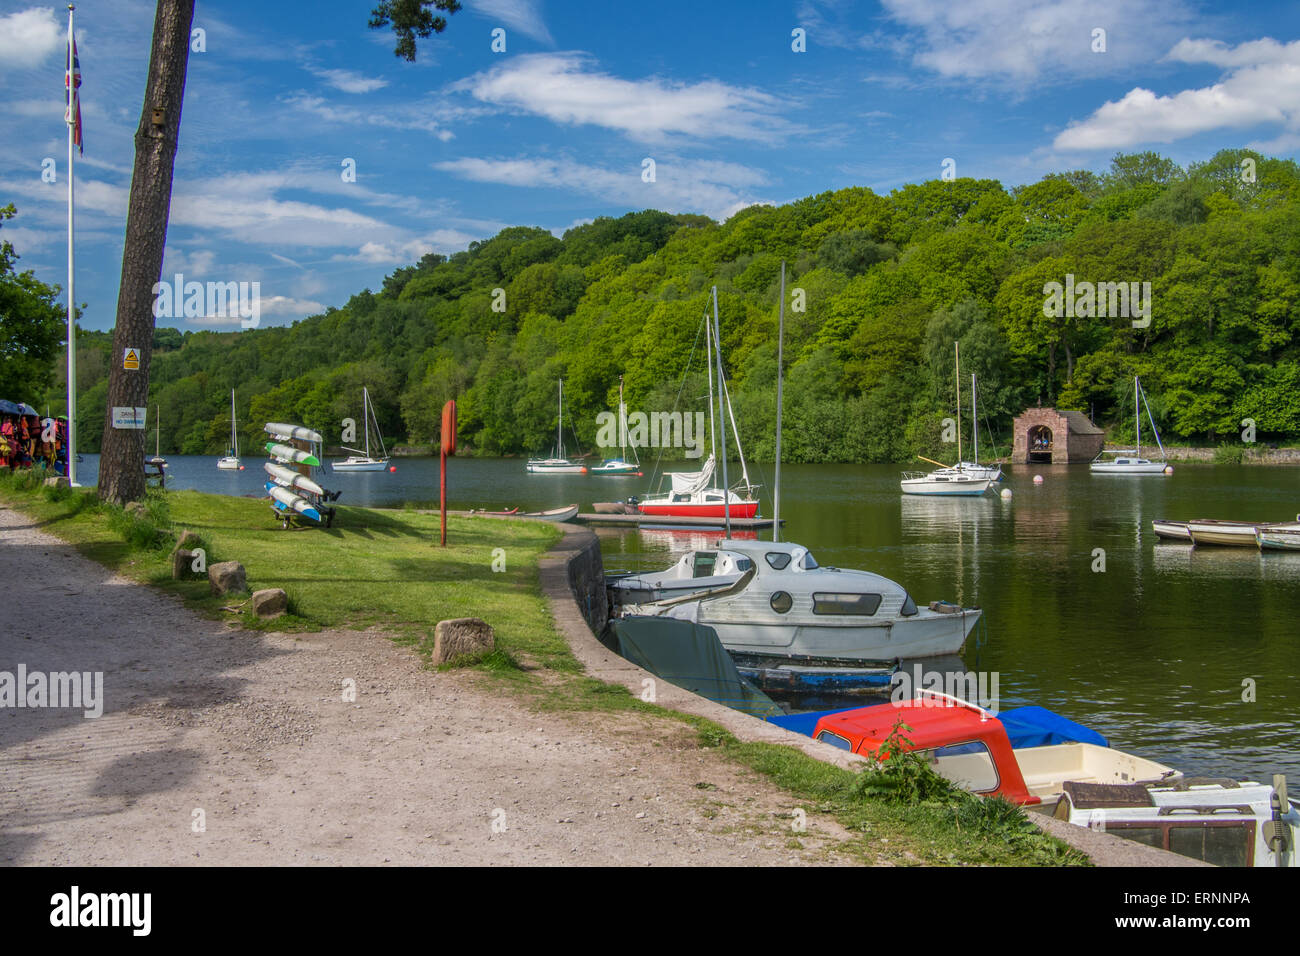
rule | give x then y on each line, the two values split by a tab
1039	445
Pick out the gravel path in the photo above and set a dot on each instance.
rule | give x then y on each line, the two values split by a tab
221	746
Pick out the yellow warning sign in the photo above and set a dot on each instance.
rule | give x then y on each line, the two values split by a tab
131	360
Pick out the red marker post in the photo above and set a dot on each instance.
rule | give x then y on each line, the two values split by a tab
448	448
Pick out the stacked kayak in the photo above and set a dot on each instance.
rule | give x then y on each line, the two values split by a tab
293	493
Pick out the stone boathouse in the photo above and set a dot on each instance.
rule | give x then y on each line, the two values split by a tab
1046	436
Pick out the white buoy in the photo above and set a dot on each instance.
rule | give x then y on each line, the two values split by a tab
1038	479
1169	469
1006	494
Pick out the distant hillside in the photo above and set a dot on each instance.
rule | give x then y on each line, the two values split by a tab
889	282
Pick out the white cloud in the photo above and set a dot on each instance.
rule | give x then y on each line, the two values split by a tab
711	187
1261	87
284	305
350	82
562	88
521	15
1015	42
29	36
413	116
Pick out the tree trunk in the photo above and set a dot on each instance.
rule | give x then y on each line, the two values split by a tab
121	463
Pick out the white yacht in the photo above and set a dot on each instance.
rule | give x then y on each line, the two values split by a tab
1132	463
362	460
772	600
557	464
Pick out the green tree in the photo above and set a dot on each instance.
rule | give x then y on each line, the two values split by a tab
31	327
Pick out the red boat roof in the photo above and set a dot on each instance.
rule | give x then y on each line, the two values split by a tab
934	721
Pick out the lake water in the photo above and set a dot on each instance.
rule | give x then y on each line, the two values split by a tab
1155	652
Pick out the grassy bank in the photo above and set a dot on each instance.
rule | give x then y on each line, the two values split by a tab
385	568
371	568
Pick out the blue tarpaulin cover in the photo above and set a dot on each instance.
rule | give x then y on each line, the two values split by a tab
1039	727
1026	726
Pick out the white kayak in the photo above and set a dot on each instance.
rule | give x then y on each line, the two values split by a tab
286	500
283	432
288	478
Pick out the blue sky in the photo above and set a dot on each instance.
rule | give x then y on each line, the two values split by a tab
553	131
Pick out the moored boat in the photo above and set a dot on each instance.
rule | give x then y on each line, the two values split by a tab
362	460
785	606
1277	538
970	746
1133	463
231	460
1173	530
556	464
1234	534
949	482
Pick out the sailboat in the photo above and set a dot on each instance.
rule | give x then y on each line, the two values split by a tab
615	467
157	458
557	464
992	472
1133	463
696	494
362	461
231	461
965	479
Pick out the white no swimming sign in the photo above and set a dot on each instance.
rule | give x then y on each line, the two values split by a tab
129	417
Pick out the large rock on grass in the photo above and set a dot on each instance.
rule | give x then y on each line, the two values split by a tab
182	564
270	602
58	481
226	577
461	635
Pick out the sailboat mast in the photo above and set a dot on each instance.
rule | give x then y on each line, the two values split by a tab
722	437
974	420
957	352
365	416
708	352
780	359
234	433
1137	417
622	422
559	423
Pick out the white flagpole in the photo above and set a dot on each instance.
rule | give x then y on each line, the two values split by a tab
69	79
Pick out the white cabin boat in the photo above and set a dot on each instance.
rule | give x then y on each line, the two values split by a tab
786	606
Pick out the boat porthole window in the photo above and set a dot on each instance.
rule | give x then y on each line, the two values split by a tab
781	601
778	559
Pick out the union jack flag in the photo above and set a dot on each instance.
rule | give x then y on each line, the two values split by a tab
72	83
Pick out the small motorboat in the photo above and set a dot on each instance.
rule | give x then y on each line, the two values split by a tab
970	746
785	606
